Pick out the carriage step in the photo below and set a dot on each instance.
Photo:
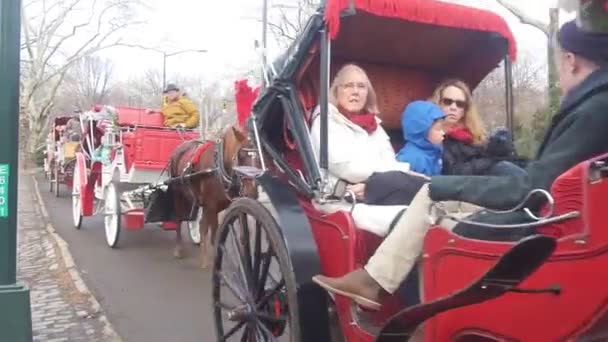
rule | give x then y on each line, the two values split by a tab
364	319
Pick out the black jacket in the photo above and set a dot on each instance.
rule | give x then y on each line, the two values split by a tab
460	158
392	188
577	133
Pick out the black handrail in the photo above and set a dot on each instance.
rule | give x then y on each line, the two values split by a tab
323	97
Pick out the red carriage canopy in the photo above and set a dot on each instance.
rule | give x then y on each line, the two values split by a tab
430	12
408	46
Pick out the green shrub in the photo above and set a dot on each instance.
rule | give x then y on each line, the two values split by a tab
38	157
528	137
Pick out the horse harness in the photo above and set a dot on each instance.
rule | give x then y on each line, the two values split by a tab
231	185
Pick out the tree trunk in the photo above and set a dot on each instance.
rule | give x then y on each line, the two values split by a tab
552	77
34	138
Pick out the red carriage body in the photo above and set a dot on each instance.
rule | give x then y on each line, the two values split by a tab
407	47
138	149
452	262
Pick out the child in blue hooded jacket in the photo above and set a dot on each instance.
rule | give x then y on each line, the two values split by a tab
423	130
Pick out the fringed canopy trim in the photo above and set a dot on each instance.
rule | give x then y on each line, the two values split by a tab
425	11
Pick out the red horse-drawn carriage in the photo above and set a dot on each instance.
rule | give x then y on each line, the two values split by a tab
122	162
61	149
268	250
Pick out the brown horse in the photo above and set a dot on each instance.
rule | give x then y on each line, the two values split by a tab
212	193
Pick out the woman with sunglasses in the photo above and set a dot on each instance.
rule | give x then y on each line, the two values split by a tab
465	143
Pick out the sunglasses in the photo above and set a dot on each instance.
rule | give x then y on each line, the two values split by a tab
448	102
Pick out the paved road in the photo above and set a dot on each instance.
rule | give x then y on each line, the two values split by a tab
147	295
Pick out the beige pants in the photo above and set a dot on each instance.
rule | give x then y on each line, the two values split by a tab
399	252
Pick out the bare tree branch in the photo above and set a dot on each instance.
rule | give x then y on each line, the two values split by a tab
57	35
523	17
87	81
289	23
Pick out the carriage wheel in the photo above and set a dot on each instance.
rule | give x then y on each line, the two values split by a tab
46	168
76	200
193	228
254	288
112	214
50	176
56	176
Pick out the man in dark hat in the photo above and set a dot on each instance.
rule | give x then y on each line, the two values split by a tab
577	133
73	128
179	111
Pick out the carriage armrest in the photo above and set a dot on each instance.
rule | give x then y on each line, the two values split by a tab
521	206
536	223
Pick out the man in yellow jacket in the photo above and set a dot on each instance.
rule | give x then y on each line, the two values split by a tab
179	111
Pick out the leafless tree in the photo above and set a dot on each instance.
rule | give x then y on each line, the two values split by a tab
88	81
530	106
287	20
215	101
528	88
550	30
56	35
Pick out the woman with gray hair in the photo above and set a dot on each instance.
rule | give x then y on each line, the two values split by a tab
359	148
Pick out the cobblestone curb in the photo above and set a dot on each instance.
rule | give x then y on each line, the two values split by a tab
63	308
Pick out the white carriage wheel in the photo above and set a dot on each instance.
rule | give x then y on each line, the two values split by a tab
193	228
76	199
112	214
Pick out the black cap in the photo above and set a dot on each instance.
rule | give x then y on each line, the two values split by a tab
591	45
170	87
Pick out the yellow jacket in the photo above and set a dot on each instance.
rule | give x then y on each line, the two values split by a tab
181	111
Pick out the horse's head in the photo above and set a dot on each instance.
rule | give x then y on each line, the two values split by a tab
240	150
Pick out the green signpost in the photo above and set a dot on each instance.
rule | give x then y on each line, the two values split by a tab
4	181
15	314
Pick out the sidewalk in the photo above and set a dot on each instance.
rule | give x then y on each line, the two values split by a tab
62	307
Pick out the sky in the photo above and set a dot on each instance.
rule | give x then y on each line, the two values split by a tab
227	30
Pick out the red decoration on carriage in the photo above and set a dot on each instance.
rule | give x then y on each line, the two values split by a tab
244	95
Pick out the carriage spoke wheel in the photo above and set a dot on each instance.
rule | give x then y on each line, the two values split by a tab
112	214
194	228
254	289
76	200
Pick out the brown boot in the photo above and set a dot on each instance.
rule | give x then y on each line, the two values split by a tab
358	285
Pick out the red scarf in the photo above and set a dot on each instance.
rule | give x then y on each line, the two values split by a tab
461	134
366	121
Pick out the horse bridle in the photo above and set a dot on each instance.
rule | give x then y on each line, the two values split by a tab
228	177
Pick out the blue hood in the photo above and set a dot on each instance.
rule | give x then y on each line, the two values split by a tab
416	122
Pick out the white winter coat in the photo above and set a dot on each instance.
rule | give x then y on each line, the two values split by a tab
353	155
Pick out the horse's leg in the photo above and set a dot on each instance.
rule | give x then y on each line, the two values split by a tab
178	250
208	226
180	210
